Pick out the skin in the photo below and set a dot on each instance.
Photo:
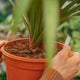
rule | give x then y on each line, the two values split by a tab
66	65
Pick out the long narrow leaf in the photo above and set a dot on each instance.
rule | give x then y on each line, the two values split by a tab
64	19
11	2
26	21
32	12
68	7
18	14
71	11
75	14
51	22
62	2
38	21
39	40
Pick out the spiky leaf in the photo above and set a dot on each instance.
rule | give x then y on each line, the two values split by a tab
51	22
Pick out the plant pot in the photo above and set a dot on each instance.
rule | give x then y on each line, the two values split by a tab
19	68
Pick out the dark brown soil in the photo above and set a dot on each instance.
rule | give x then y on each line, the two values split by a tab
20	48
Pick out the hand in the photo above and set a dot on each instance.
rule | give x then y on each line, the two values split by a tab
1	44
65	65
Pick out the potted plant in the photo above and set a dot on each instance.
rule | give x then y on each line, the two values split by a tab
25	58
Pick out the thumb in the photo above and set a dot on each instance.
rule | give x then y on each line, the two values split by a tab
65	51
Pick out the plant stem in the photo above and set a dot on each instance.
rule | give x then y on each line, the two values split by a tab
11	2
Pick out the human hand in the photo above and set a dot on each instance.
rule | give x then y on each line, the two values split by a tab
1	44
65	65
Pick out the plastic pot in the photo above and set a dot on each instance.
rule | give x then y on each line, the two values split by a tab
19	68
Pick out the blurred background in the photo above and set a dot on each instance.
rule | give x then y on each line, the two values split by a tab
71	27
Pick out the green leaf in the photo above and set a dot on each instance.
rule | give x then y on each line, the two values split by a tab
71	11
68	7
32	12
39	40
51	22
26	22
75	17
18	13
62	2
35	15
75	14
38	22
64	19
11	2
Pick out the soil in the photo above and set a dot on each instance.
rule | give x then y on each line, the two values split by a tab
20	48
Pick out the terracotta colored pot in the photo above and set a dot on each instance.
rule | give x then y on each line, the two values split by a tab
19	68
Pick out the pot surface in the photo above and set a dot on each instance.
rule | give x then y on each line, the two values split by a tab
19	68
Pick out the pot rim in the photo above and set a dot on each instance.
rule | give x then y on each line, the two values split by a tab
22	58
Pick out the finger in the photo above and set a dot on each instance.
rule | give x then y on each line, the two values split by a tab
2	43
74	60
65	51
